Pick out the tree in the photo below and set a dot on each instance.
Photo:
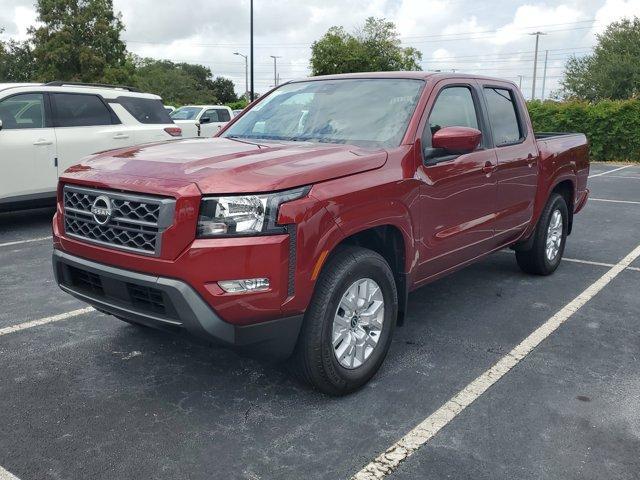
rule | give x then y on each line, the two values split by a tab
171	81
225	90
79	40
612	71
16	61
374	47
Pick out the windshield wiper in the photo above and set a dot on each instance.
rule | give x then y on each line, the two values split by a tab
238	138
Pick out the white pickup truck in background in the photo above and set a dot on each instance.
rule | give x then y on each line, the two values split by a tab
201	120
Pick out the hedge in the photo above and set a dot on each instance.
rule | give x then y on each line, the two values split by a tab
611	126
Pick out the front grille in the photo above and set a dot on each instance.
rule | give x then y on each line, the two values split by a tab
136	222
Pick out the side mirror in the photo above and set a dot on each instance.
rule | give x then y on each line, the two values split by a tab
205	120
456	140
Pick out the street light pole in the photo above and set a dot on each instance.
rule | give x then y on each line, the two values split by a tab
251	94
246	74
535	64
520	82
275	69
544	75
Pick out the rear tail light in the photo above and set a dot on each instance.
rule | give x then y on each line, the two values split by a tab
174	131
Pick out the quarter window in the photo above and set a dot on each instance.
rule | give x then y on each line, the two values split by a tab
146	110
80	110
23	111
503	116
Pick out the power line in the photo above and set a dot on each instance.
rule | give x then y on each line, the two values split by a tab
459	36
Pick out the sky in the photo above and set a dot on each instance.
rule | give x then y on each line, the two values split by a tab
490	37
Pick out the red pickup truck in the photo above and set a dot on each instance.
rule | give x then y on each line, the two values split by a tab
302	227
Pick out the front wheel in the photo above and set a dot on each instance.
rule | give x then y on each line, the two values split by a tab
348	326
549	239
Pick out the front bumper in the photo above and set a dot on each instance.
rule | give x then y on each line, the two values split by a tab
168	304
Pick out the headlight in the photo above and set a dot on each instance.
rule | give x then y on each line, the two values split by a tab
240	215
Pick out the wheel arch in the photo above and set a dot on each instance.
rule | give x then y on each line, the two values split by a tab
388	241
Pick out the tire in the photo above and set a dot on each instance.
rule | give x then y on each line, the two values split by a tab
348	273
537	261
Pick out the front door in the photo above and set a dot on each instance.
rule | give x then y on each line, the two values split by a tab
212	120
27	149
457	195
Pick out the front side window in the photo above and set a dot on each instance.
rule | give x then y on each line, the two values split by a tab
365	112
212	115
80	110
185	113
502	116
454	107
23	111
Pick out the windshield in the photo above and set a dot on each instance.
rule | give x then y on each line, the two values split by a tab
364	112
185	113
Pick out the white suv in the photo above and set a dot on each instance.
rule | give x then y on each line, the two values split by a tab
46	128
201	120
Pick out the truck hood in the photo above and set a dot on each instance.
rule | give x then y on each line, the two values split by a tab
221	165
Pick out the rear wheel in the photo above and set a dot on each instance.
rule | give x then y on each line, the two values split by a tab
348	326
549	240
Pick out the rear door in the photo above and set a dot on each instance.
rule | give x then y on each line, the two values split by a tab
85	124
457	195
517	154
27	148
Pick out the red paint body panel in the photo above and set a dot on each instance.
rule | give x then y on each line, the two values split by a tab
448	214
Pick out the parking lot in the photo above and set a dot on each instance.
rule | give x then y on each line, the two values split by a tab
84	395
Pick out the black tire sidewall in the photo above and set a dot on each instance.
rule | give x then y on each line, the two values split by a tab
371	266
557	203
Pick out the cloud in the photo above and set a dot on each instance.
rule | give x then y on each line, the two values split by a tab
613	10
487	38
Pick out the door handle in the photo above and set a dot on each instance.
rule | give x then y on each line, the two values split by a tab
42	141
489	167
531	160
118	136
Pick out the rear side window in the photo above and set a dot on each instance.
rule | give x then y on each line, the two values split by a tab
503	116
146	110
223	115
454	107
23	111
80	110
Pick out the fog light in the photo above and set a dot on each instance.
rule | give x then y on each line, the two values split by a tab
247	285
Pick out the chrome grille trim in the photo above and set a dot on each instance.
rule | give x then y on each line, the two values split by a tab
136	225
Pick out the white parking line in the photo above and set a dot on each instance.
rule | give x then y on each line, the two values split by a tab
18	242
4	475
587	262
609	171
614	201
44	321
388	461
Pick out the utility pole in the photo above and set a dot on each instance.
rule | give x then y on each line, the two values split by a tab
535	64
544	75
520	82
246	75
275	69
252	93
